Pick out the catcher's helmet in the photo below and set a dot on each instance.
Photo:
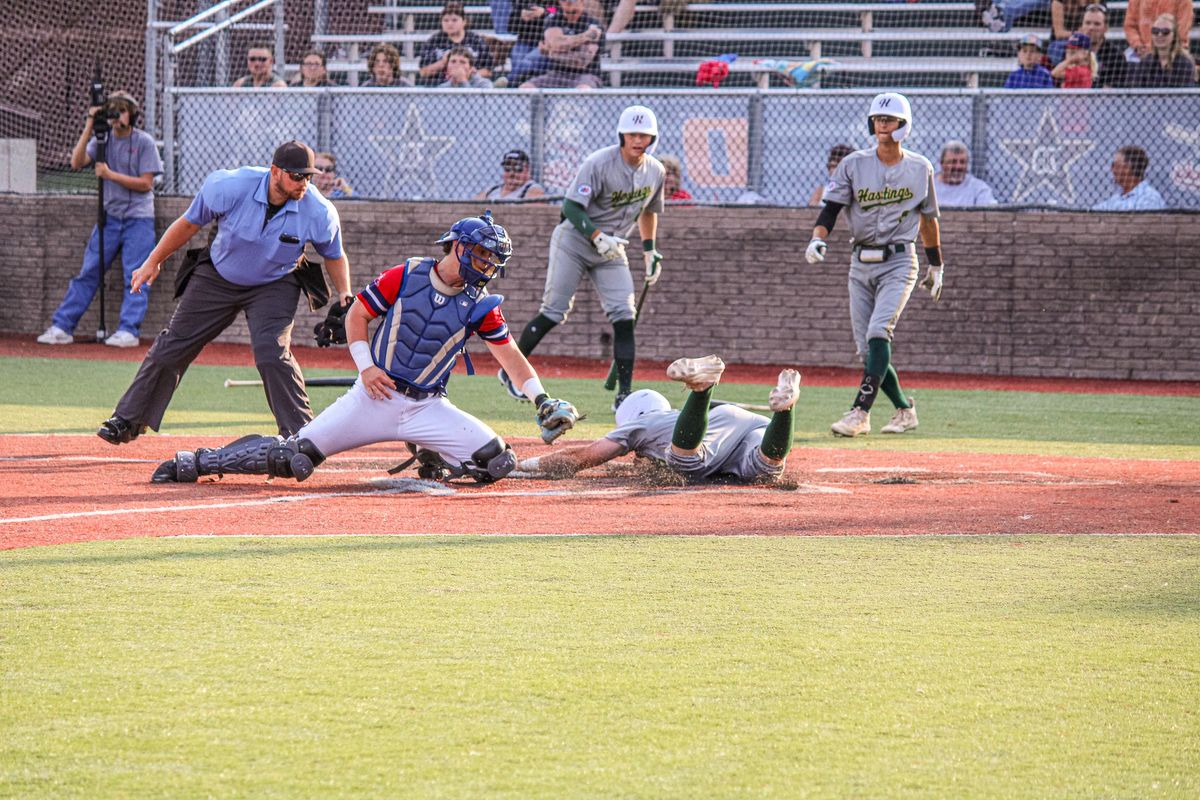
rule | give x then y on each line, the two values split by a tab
891	104
638	119
486	249
643	401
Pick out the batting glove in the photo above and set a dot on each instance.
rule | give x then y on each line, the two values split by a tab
555	417
608	246
816	251
653	266
933	282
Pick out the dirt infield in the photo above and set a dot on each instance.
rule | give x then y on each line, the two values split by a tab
74	488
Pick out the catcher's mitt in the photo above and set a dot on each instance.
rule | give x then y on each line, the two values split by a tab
332	329
555	417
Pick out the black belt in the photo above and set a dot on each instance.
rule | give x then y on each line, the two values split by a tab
413	392
888	249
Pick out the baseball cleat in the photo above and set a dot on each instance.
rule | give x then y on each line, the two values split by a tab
786	391
620	398
509	387
854	422
697	373
905	419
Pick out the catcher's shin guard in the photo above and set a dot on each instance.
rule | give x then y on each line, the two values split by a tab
491	462
258	455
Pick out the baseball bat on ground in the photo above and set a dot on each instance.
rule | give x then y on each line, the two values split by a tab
610	382
343	382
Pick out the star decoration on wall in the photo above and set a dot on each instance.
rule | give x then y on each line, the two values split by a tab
411	156
1046	160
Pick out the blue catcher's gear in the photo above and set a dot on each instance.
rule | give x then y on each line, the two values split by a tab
486	249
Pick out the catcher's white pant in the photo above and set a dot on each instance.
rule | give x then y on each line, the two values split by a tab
434	423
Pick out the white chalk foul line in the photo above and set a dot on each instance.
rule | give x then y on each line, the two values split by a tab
389	486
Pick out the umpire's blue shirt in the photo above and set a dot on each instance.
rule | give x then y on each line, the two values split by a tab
248	250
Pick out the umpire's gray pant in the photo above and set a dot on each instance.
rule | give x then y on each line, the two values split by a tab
208	306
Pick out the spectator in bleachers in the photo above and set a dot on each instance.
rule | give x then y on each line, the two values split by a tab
1003	14
1078	69
1141	16
312	70
527	60
331	185
515	182
1066	16
1169	63
1110	56
955	185
436	55
384	63
1030	73
571	41
836	154
261	65
460	71
673	179
1129	172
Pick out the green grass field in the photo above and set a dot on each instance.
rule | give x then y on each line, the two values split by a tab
682	667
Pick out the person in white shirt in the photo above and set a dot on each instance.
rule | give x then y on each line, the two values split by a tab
1129	172
955	185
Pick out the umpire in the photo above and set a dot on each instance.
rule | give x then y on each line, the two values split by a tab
254	265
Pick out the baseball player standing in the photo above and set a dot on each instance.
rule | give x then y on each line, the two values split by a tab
881	188
702	441
616	187
429	309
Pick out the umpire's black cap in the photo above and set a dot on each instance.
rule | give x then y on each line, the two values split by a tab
295	157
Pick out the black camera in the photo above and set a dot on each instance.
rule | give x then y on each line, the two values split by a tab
100	124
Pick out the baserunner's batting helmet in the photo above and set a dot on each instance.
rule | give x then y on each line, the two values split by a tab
638	119
891	104
643	401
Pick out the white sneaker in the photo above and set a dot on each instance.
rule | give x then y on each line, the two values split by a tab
55	335
853	423
697	373
122	339
786	391
905	419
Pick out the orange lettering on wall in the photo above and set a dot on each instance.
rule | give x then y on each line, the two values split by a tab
704	138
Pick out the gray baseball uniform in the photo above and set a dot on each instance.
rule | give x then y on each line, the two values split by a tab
883	209
614	195
730	448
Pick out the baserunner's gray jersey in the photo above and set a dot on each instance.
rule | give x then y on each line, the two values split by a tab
883	204
615	194
731	446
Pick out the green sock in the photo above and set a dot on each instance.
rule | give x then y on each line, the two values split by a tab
538	327
891	387
777	439
693	421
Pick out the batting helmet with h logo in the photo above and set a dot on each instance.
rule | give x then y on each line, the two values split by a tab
891	104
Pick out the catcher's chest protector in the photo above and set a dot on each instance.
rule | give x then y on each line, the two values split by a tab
424	331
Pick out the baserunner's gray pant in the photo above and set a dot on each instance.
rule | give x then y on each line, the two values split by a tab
878	293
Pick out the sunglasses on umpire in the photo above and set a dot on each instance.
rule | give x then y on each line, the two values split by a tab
299	176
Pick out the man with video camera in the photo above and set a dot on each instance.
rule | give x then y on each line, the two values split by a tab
126	162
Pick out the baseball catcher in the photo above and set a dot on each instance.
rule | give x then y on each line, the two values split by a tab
881	187
616	188
705	440
427	309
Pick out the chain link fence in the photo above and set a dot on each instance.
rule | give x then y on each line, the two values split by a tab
1042	148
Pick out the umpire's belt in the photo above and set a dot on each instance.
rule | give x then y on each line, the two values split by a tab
889	250
413	392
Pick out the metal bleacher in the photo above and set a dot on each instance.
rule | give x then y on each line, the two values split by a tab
870	43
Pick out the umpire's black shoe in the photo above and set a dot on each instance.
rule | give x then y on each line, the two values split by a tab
118	430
